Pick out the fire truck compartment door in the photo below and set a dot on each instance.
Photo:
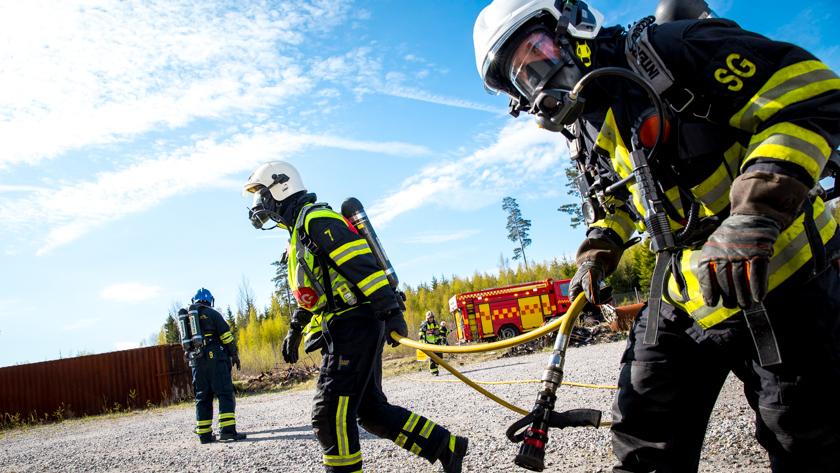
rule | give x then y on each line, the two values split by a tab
486	320
530	312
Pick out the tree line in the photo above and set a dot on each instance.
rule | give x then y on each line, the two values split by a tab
259	331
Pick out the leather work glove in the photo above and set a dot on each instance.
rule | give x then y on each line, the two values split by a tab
291	344
234	360
735	261
396	323
596	258
588	281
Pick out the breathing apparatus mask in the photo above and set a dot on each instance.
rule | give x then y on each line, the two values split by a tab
265	207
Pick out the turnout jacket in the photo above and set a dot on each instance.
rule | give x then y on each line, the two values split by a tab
739	103
430	333
216	333
323	236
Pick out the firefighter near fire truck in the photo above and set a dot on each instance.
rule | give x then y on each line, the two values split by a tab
712	140
350	304
211	350
430	333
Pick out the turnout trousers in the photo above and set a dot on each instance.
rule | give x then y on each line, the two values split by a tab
349	390
212	377
667	390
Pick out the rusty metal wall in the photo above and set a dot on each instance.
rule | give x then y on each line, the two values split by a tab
94	384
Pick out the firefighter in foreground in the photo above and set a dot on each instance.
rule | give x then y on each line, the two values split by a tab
211	364
745	243
430	333
348	315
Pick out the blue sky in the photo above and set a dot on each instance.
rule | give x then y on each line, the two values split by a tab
129	128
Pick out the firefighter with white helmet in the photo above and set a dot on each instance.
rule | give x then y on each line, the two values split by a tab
347	310
723	174
430	333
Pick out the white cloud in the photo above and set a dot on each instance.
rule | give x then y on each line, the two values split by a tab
80	324
126	345
129	292
87	205
422	95
522	158
96	71
441	237
5	188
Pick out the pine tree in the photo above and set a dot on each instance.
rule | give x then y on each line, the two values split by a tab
517	228
170	330
284	291
572	209
231	321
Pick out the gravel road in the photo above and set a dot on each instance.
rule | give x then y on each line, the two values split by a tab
280	437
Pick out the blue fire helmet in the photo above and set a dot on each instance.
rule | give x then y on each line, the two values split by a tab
203	295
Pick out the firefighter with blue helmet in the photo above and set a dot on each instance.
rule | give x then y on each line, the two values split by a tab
211	366
712	140
347	309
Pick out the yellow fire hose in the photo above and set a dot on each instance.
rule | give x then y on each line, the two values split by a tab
565	322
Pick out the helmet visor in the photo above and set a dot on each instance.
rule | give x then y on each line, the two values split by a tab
534	61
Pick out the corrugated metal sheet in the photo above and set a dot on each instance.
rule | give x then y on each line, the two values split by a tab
94	384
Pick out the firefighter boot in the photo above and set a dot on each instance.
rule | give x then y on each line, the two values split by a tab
453	454
232	436
207	438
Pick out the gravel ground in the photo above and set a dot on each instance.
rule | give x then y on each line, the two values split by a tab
280	437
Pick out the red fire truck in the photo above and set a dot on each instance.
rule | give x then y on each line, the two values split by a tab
506	312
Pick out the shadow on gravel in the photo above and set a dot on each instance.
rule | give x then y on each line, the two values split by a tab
306	428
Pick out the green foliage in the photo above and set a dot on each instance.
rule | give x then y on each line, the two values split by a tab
573	210
517	228
170	330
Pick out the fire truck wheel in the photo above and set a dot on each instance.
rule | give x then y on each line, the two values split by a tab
508	331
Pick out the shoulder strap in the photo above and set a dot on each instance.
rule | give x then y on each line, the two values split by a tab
643	59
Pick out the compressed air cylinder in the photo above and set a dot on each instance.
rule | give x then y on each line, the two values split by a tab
196	339
354	212
184	326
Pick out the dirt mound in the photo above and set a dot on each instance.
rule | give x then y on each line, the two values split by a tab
281	378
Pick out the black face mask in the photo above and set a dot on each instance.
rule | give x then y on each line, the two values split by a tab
544	71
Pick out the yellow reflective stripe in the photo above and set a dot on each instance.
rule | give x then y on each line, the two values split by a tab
227	415
673	195
204	431
343	460
790	253
414	449
350	250
610	140
792	143
227	337
411	422
789	85
373	282
341	425
451	443
401	439
205	422
619	222
713	193
427	429
227	423
322	213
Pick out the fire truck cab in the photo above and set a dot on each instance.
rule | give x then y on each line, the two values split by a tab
505	312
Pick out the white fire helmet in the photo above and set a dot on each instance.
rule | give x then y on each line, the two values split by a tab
271	175
430	314
501	20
